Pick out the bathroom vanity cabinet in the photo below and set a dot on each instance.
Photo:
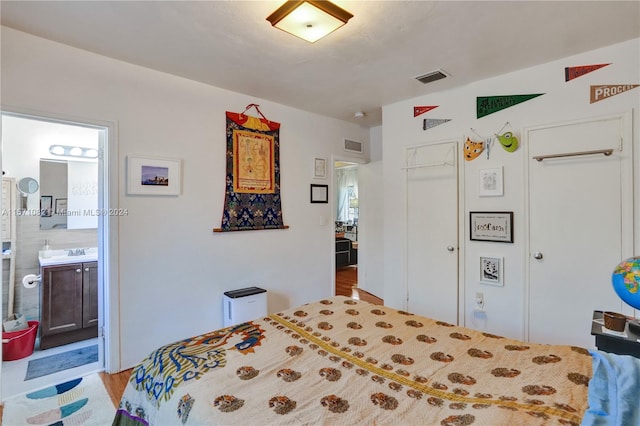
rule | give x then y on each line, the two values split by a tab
69	303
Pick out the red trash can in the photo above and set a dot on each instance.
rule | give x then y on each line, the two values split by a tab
19	344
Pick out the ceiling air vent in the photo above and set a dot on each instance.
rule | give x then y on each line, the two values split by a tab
353	146
432	76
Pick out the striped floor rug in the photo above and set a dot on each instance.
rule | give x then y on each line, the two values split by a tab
82	401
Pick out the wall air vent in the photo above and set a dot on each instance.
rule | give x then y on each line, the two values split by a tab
353	146
432	76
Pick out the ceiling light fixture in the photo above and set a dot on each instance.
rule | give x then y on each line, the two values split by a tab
309	20
73	151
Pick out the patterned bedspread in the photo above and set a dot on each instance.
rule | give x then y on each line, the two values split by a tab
342	361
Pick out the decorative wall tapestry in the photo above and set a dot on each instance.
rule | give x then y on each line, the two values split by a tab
486	105
252	196
574	72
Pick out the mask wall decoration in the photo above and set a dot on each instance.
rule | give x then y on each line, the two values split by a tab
509	141
472	149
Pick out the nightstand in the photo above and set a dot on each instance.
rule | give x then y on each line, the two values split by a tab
627	344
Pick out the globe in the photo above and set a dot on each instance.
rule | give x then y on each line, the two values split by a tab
626	281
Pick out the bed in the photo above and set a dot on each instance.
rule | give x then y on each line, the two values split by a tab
345	361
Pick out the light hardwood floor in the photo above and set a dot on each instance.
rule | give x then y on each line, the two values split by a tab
115	384
346	279
347	285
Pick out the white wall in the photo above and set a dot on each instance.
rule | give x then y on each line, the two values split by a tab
562	101
172	268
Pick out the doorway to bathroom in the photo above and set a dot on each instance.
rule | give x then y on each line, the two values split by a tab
54	255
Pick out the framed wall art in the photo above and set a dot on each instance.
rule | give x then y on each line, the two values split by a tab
153	175
320	168
491	226
491	270
319	193
61	206
491	182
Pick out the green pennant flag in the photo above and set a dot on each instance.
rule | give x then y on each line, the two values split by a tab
489	104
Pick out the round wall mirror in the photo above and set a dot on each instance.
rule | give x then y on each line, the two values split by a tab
28	185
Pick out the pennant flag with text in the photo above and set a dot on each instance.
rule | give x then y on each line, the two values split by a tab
489	104
417	110
429	123
574	72
599	93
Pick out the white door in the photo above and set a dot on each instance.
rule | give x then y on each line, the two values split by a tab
432	231
580	225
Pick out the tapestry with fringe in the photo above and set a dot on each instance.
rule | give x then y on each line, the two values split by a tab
252	195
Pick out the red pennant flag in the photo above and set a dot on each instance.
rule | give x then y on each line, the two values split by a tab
574	72
417	110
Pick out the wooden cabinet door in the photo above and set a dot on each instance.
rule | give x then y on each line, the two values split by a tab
90	294
61	298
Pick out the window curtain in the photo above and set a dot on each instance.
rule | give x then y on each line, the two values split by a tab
345	177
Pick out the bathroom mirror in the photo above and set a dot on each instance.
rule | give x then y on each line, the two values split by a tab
69	190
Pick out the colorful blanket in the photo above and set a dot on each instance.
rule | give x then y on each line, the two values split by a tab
342	361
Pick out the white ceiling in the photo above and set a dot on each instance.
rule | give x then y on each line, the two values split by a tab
370	62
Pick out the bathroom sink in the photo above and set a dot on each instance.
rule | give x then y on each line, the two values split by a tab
70	255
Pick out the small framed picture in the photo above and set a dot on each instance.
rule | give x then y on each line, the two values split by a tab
46	204
319	193
491	270
61	206
320	168
491	226
491	183
153	175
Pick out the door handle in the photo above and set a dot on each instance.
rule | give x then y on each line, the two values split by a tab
537	255
450	248
86	269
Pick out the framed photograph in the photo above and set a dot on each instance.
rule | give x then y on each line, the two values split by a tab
319	193
491	270
61	206
46	203
320	168
153	175
491	183
491	226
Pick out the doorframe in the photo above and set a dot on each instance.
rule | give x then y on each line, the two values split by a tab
332	206
460	224
627	188
108	223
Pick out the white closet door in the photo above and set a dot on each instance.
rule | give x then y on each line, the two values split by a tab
432	232
579	212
